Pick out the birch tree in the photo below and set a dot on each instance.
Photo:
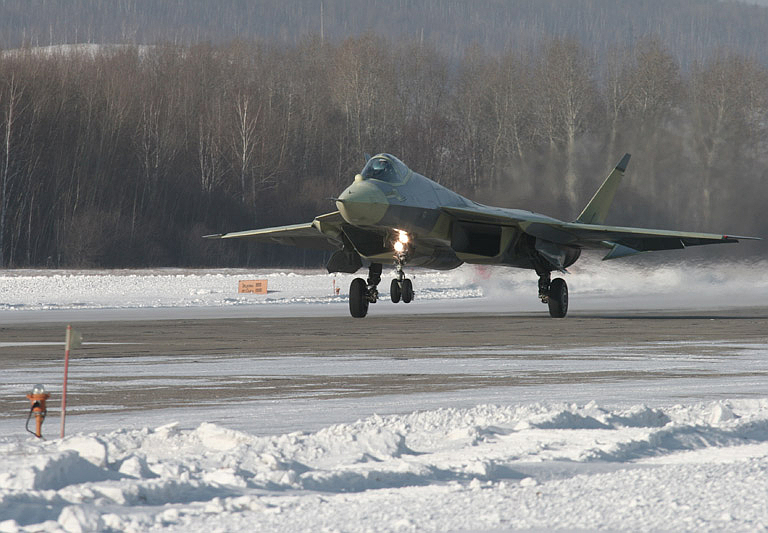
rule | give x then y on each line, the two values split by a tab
10	109
568	96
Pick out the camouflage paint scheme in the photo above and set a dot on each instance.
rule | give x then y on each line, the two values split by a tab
446	229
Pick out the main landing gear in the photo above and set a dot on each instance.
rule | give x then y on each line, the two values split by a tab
364	292
555	294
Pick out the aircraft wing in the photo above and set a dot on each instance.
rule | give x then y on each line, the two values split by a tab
323	233
622	241
625	241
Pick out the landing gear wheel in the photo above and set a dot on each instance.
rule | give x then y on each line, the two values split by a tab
358	298
558	298
394	291
407	291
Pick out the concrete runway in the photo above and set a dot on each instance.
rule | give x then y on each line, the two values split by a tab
22	346
332	334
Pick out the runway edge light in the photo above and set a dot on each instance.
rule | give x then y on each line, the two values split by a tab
37	398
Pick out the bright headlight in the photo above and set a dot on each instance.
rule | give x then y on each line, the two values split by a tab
399	246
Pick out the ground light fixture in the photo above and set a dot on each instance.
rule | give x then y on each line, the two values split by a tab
37	398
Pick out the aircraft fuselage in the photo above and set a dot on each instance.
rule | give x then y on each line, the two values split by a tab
419	206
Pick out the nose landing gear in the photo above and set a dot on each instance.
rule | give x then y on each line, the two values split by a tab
362	293
401	288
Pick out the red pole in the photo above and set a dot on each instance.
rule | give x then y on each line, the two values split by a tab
64	390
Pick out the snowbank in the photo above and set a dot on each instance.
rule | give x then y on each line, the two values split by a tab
686	468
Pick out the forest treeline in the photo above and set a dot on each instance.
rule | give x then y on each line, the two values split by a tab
126	156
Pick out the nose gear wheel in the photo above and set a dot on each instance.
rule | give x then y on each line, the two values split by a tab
401	291
401	288
395	293
407	291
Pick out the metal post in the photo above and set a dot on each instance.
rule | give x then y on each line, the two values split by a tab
66	370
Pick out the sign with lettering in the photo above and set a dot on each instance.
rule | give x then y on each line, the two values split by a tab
253	286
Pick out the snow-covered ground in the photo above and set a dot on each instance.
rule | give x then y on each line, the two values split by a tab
687	453
695	467
592	284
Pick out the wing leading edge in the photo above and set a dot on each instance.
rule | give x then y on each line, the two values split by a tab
323	233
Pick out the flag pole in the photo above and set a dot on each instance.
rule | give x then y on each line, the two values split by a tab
66	369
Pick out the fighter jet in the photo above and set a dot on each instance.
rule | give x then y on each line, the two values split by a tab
391	214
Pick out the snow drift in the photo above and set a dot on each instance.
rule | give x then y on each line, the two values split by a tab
489	467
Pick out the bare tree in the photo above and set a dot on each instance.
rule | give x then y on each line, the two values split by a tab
366	89
728	107
568	96
511	101
244	138
13	94
618	90
209	150
472	117
422	95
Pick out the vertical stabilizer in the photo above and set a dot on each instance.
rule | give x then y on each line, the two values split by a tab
598	206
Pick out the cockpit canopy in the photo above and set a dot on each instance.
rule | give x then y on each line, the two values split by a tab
385	167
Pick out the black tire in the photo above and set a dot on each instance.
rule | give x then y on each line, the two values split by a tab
407	291
558	298
394	291
358	298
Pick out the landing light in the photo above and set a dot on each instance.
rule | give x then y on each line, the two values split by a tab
399	246
402	237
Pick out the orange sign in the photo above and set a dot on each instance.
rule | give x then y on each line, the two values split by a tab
254	286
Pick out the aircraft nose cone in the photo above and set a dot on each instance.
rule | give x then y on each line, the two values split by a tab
362	204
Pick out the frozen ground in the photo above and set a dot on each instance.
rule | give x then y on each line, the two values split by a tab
697	467
632	452
171	292
605	285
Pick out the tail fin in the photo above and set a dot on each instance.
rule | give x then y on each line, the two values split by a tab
597	208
